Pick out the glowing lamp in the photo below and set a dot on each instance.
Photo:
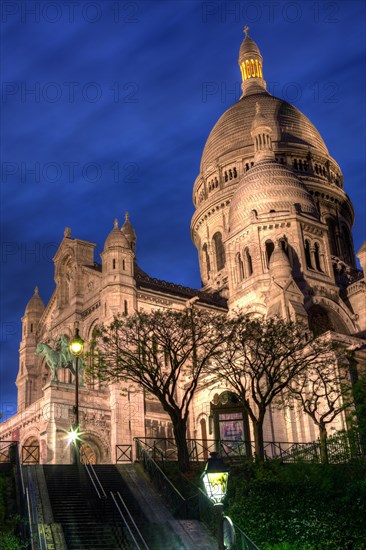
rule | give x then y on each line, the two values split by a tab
73	436
76	345
214	477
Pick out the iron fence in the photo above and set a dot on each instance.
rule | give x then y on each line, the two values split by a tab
7	451
30	454
341	448
123	454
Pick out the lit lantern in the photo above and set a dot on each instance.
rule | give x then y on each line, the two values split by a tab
76	345
215	476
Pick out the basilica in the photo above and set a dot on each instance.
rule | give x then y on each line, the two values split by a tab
273	231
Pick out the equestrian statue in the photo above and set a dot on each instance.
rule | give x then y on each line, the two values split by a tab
60	357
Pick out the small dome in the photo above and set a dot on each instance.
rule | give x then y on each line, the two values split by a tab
35	305
248	46
279	264
128	230
268	186
116	238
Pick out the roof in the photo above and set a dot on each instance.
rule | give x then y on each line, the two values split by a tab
232	132
143	280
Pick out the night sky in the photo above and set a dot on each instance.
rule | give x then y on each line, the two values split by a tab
106	107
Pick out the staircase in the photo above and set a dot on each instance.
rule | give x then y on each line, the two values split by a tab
112	481
92	523
87	522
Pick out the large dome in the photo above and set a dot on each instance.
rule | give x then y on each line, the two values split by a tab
268	187
291	129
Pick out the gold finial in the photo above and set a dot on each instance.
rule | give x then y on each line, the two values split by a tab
67	232
115	223
127	217
36	290
246	29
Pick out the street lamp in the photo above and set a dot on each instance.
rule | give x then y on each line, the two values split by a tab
215	477
76	347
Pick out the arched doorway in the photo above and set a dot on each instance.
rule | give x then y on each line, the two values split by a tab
231	424
93	449
88	454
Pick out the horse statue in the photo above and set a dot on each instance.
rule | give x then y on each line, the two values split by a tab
61	357
52	358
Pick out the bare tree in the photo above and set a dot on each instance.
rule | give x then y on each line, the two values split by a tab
260	358
323	391
165	352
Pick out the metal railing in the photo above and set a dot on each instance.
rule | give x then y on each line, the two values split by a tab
37	536
30	454
129	523
179	505
165	449
208	517
24	527
123	454
117	499
93	475
5	451
199	506
342	447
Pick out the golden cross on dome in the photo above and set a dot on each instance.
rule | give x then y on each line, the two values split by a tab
246	29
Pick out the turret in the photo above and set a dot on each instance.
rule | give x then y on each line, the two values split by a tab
118	283
261	133
28	380
129	232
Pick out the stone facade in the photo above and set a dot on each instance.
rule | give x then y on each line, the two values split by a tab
272	227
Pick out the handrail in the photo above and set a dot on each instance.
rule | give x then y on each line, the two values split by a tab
133	521
19	468
145	452
89	464
25	526
33	515
126	523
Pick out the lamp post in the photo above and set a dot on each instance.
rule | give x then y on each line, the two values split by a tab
215	477
76	347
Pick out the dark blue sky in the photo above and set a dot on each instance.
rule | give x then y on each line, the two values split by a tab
106	107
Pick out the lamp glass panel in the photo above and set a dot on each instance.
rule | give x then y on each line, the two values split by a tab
216	485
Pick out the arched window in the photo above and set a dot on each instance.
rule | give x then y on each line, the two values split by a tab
317	257
332	230
219	251
308	255
114	263
206	261
240	267
248	263
347	246
269	250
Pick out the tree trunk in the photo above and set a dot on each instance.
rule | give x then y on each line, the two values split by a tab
258	439
180	436
323	444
